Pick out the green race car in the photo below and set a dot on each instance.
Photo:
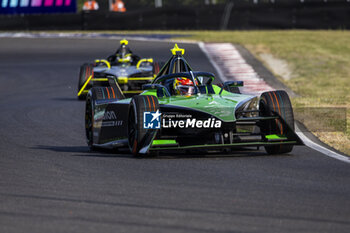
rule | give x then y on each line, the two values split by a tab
182	109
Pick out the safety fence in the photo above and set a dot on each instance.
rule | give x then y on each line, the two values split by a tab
312	15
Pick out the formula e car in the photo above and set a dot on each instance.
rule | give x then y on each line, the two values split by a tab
130	71
182	109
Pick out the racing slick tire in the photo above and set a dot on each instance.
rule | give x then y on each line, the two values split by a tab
96	93
86	70
157	66
89	117
137	134
272	103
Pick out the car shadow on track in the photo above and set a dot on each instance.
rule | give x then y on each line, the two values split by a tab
210	155
68	99
84	151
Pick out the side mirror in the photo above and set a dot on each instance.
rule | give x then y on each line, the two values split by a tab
104	62
231	84
145	60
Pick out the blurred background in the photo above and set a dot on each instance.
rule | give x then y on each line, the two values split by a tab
173	14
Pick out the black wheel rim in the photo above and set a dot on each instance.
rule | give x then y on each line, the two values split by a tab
263	111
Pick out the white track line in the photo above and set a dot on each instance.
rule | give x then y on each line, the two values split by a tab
322	149
230	65
99	36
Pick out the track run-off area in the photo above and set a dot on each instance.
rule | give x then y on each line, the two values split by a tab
51	182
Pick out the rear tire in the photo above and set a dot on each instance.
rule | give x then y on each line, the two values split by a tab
157	66
137	134
96	93
271	103
89	120
86	71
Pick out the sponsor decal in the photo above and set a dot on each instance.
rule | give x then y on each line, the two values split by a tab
109	115
110	119
191	123
151	120
112	123
177	115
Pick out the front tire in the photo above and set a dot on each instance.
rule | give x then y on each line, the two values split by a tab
138	136
272	103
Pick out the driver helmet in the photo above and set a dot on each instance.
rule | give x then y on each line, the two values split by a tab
124	52
183	86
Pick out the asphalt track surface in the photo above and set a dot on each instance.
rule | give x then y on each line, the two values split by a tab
51	182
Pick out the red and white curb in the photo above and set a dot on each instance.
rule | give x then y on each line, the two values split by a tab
232	66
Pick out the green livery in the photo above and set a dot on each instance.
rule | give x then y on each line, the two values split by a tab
182	109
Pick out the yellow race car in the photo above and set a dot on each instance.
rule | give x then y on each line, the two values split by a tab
130	71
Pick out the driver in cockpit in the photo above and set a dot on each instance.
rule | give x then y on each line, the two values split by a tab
124	54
